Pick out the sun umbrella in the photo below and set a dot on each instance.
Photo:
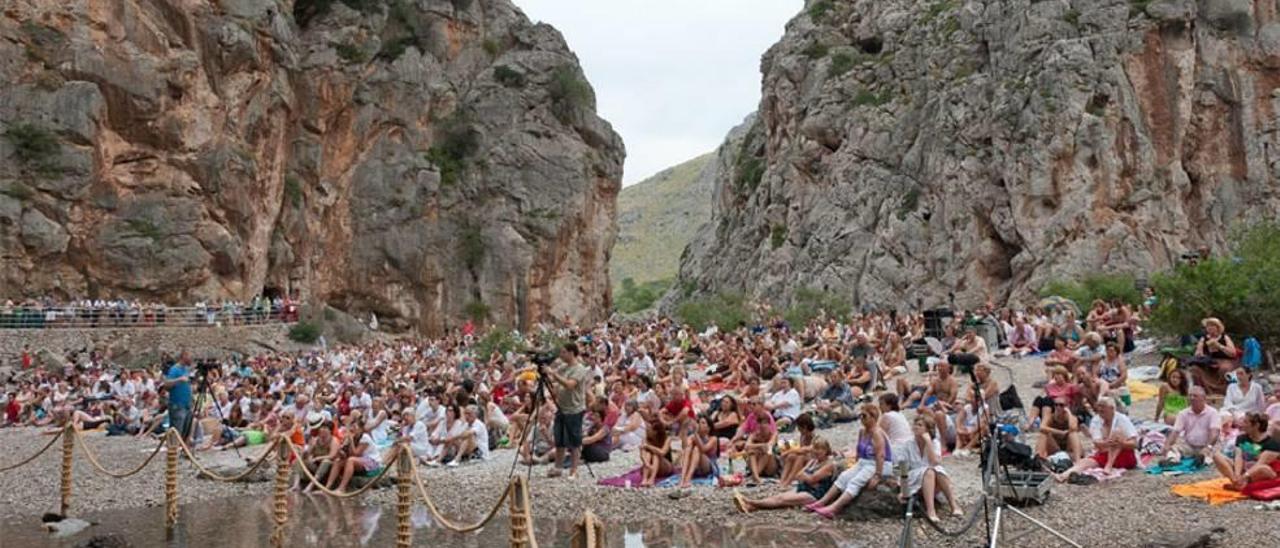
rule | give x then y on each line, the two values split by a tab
1054	302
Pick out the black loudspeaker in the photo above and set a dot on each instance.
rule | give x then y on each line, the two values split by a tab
934	320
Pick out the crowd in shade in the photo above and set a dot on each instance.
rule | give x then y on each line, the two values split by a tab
754	405
48	312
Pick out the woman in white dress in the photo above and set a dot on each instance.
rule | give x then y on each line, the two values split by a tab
924	473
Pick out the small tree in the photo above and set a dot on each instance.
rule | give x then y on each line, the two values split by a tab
807	304
1084	291
727	311
1242	289
304	332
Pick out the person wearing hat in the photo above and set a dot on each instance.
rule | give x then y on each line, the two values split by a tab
319	453
1216	355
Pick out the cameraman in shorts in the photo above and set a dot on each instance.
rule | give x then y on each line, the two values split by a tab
569	381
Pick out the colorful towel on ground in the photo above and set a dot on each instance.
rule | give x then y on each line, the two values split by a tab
1139	390
1104	475
630	479
1212	491
1185	466
1263	490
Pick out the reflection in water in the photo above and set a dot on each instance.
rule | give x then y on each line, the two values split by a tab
325	521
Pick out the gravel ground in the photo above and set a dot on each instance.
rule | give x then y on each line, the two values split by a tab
1126	512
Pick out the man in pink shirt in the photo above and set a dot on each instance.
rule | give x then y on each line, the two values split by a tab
1197	427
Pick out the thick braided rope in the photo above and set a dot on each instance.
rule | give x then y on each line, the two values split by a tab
404	498
68	448
38	453
93	459
320	485
262	459
171	479
520	511
281	499
435	513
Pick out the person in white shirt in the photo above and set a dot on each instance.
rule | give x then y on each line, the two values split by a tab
415	433
894	423
785	403
1243	397
471	442
1114	441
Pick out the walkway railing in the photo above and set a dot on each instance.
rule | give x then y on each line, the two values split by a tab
589	533
86	318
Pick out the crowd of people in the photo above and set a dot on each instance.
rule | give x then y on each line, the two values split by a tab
694	406
48	312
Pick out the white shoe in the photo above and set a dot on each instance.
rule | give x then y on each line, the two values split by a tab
452	464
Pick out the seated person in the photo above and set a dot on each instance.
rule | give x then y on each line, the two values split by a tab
785	403
655	454
1215	356
969	350
836	403
1114	441
1059	431
925	474
873	463
356	455
1173	396
1022	338
597	440
1257	455
813	481
699	450
794	458
1243	397
1195	429
1060	356
860	377
940	388
754	443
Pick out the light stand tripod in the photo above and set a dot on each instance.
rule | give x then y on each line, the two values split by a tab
991	474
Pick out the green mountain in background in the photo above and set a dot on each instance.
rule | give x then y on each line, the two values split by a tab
656	219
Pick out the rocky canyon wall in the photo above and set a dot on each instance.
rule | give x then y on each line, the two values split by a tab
915	148
425	160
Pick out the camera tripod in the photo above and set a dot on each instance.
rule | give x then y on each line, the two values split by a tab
203	394
991	478
538	398
992	472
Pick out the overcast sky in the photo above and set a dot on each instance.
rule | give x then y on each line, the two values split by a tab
672	76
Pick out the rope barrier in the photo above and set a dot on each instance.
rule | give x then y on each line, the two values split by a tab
218	477
435	512
38	453
93	459
324	489
521	527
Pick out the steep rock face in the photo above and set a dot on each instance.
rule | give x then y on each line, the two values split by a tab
985	147
426	160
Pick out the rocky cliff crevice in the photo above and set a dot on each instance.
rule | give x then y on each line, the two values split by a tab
912	149
426	160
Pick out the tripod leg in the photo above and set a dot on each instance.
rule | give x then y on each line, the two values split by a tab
1046	528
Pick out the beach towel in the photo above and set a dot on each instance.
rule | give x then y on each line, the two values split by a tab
1139	390
1263	490
631	479
1186	466
1145	373
1212	491
1104	475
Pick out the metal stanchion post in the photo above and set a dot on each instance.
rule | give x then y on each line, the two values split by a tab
68	446
404	498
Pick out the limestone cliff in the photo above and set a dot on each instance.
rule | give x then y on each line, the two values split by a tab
426	160
910	149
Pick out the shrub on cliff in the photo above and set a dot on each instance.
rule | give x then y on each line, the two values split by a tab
1241	288
807	304
634	298
1084	291
570	94
36	147
727	311
304	332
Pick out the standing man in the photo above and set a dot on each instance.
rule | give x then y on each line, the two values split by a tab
570	385
178	380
